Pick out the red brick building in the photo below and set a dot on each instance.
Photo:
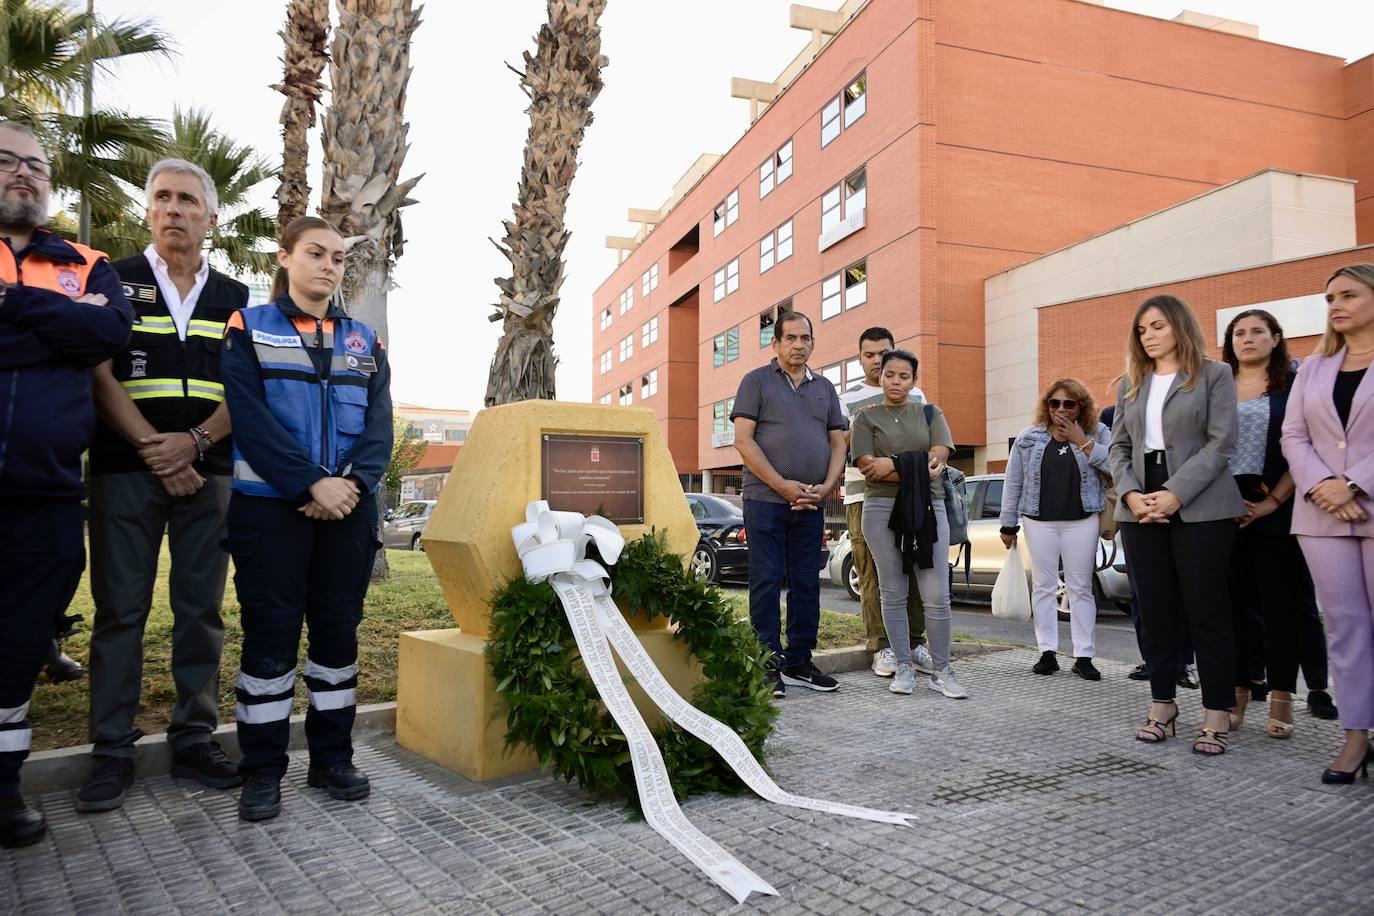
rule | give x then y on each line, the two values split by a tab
920	147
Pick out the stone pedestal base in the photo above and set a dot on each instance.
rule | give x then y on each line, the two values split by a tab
448	711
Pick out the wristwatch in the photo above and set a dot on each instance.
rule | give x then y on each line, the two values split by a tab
1353	487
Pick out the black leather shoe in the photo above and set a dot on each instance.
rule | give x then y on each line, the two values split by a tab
260	799
1342	778
207	764
1048	664
1084	668
1187	677
343	781
60	668
1319	704
104	789
1140	672
20	825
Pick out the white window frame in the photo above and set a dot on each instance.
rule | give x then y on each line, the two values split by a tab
783	167
766	245
606	362
830	121
832	296
649	281
627	299
648	384
766	182
855	99
832	212
855	289
649	333
720	345
627	348
768	320
627	394
725	213
850	194
606	315
607	399
835	373
726	280
853	371
783	244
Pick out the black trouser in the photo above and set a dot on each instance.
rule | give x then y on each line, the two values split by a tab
1269	575
129	513
1180	571
41	561
289	570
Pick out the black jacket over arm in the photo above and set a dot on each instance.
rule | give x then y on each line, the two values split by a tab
913	517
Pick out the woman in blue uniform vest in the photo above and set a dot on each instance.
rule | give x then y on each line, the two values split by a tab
308	390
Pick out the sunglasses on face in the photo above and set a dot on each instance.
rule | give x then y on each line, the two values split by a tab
1055	404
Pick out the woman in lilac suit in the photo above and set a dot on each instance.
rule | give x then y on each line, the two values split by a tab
1328	439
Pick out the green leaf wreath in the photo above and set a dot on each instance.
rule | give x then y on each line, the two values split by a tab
555	709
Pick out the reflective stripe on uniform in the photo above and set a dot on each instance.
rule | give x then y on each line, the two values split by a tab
15	739
204	388
260	713
140	388
266	686
155	324
202	327
329	675
13	714
333	699
244	471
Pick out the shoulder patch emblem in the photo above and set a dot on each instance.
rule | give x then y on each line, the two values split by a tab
69	281
355	343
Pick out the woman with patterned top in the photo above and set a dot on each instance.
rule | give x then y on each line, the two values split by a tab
1268	572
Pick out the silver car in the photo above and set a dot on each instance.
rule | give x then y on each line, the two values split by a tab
974	582
407	524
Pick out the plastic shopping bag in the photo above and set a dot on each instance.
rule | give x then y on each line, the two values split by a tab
1011	593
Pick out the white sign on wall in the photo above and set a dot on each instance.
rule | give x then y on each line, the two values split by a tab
1301	316
407	490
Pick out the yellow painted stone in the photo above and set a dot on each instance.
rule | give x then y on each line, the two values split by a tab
448	710
447	707
498	473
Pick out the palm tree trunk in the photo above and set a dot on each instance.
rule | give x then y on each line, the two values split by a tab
365	145
562	79
364	141
303	62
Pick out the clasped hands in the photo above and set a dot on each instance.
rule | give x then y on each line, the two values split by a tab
331	499
1153	508
876	469
169	456
804	497
1333	496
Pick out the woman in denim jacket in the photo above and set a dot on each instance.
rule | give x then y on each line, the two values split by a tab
1053	482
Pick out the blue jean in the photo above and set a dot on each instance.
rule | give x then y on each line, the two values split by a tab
784	547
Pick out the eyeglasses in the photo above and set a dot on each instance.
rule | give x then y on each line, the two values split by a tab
1068	404
9	162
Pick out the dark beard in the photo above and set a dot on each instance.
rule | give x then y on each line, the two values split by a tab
24	216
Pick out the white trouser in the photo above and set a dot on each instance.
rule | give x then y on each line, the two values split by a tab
1075	545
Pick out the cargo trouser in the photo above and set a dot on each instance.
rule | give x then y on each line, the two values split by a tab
289	570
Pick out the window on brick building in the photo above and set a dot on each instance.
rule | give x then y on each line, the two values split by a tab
725	213
766	253
720	415
725	347
605	318
627	300
856	100
627	348
627	394
605	362
845	290
784	241
853	372
830	121
649	282
835	373
768	321
856	192
648	384
726	280
776	169
766	177
830	209
649	333
607	399
784	162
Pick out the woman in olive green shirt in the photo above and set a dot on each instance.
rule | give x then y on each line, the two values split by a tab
880	433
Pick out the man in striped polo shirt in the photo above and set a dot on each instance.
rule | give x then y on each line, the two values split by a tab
873	343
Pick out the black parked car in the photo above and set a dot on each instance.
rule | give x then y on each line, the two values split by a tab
723	549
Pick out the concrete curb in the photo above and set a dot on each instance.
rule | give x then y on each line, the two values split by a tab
67	767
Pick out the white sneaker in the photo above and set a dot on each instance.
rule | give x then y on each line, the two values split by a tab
945	682
884	663
905	679
921	660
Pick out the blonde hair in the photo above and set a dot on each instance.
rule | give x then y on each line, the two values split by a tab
1332	340
1087	407
1192	346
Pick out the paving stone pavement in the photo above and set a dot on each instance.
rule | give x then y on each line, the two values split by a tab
1032	798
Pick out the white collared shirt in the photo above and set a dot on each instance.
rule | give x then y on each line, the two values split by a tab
180	309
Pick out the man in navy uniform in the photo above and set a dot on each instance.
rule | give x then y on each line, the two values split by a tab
161	461
62	312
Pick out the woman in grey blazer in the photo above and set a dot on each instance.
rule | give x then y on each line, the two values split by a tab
1173	436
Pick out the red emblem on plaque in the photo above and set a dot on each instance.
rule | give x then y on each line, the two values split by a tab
596	455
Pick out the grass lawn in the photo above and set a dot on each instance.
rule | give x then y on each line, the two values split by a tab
409	600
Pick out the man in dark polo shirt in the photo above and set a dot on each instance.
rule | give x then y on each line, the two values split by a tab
789	431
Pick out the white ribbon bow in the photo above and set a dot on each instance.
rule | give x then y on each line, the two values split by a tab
553	547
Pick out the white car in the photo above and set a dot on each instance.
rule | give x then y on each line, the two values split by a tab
407	524
983	496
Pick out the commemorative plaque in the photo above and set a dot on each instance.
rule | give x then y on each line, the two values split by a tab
595	475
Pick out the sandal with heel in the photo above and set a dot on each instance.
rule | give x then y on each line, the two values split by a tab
1154	731
1277	728
1210	742
1242	703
